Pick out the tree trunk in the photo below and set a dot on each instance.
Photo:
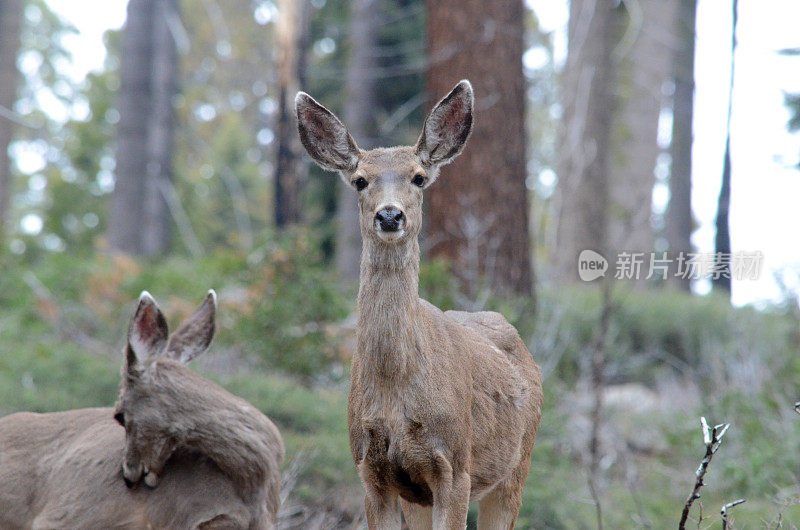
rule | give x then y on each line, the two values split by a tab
359	115
127	205
679	219
644	64
164	82
722	241
140	221
478	208
589	102
289	169
10	24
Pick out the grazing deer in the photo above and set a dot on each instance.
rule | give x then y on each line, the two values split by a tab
213	456
443	407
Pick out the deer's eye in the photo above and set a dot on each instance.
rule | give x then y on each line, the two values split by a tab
120	417
419	180
360	183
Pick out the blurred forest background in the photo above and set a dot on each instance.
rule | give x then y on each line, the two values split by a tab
177	167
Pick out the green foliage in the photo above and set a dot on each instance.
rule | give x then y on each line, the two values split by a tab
295	304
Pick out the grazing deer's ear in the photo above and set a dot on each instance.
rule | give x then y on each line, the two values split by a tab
447	127
194	335
324	136
147	334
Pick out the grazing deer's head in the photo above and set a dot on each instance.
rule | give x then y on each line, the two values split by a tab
158	395
389	181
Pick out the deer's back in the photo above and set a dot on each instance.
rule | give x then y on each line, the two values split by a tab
63	470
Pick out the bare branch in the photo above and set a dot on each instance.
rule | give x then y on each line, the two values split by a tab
724	512
712	438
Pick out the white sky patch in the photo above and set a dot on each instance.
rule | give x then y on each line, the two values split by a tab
31	224
92	18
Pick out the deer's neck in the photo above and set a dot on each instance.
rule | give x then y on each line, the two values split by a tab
388	307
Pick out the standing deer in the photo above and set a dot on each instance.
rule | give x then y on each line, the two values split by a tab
443	407
216	456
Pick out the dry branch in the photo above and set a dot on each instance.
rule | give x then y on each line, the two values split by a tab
712	438
724	512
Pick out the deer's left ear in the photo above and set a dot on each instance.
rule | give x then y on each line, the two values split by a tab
447	127
194	335
147	335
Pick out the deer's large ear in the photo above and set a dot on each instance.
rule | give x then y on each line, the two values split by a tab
324	136
147	335
447	127
194	335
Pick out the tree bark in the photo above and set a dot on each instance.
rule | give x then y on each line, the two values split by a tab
478	208
289	169
10	25
589	102
359	115
679	219
139	222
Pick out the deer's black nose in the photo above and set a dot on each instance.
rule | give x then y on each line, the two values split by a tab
389	219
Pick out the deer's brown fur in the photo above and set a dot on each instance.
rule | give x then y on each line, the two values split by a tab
444	406
216	456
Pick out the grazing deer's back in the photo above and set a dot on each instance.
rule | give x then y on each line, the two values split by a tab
78	482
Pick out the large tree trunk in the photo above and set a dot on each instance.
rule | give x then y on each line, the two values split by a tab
359	115
478	209
679	220
289	169
140	221
722	241
644	64
10	23
589	102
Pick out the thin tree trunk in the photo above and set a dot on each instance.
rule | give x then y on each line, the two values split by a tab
589	102
289	167
127	205
679	219
722	241
359	115
164	82
140	220
643	65
10	25
478	208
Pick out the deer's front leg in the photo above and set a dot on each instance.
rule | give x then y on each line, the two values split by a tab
451	503
383	512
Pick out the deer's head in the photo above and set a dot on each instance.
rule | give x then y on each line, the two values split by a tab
159	396
389	181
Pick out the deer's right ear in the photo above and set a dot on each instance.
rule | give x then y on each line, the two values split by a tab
324	136
147	335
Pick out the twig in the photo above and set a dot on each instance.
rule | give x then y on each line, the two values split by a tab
724	512
712	438
51	312
598	385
